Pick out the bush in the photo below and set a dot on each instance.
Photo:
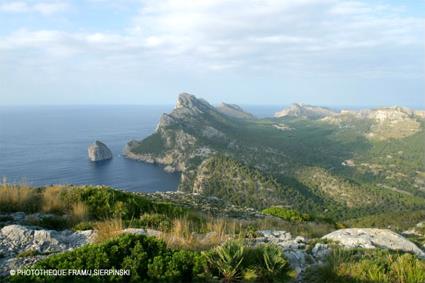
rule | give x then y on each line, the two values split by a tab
286	214
148	259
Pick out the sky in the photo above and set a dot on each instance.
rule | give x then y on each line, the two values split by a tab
271	52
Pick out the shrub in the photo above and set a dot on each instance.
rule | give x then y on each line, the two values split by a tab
148	259
155	221
286	214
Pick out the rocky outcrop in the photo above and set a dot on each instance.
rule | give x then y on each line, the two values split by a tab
305	111
234	111
16	239
295	249
176	139
371	238
99	152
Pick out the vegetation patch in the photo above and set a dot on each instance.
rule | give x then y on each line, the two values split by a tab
361	266
149	260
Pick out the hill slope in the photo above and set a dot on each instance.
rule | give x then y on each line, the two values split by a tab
327	165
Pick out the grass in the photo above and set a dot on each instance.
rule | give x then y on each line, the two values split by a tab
51	201
108	229
368	266
18	198
79	212
182	233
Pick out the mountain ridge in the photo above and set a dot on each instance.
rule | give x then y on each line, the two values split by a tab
285	148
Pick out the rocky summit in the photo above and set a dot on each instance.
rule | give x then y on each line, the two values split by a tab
99	152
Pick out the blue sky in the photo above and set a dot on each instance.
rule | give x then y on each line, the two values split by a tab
324	52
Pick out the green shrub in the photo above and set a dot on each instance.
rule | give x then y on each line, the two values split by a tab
286	214
155	221
148	260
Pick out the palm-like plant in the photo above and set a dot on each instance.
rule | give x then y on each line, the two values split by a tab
274	261
228	258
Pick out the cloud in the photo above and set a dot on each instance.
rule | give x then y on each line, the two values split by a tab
315	37
44	8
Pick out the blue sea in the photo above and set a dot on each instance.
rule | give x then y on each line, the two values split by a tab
43	145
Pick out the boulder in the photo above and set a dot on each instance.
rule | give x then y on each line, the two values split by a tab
99	151
16	239
370	238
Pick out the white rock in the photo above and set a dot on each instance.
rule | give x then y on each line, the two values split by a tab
371	238
99	151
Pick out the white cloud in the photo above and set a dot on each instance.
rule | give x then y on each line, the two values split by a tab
41	7
306	36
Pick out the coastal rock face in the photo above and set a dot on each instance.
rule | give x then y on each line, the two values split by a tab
99	151
305	111
177	135
371	238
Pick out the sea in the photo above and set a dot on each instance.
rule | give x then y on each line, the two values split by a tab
46	145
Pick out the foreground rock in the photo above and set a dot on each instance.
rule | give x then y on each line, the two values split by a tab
99	151
17	239
371	238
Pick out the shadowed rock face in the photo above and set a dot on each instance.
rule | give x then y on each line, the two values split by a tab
99	151
234	110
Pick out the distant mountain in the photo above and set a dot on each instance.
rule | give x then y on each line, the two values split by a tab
305	111
383	123
234	110
327	162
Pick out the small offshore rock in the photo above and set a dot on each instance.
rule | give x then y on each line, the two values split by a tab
99	151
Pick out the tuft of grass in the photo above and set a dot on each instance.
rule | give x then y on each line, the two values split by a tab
79	212
18	198
108	229
353	266
51	201
212	232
